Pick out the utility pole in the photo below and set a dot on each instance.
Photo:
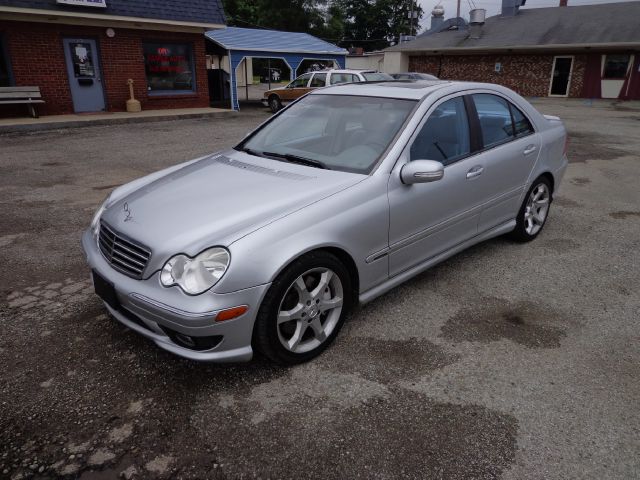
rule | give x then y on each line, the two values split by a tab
458	11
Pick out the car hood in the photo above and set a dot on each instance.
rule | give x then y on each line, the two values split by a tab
217	200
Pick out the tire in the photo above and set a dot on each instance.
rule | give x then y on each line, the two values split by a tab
314	293
274	103
534	211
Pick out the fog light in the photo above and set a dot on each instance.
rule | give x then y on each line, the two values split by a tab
185	340
231	313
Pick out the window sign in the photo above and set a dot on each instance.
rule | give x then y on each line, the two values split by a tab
84	3
82	59
169	68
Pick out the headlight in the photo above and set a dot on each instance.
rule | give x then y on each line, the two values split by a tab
198	274
95	222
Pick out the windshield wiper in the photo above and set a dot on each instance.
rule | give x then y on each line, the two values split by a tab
296	159
250	151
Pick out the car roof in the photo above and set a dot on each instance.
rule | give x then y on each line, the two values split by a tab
344	70
404	89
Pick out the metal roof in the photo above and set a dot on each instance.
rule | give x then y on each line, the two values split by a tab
541	28
234	38
199	11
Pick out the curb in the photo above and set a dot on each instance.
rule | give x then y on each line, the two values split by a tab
37	127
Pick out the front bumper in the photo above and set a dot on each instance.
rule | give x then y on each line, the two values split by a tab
165	315
265	102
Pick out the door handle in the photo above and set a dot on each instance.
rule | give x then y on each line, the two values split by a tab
475	171
529	149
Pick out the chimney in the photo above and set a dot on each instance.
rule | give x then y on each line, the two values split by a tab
437	17
563	3
476	21
510	7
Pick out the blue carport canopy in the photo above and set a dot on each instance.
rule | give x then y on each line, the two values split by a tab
292	47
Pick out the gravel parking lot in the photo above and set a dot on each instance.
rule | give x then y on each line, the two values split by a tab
507	361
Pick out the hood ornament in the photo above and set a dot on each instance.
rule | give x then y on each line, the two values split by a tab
127	212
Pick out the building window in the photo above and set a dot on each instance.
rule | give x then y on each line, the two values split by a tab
169	68
615	66
5	72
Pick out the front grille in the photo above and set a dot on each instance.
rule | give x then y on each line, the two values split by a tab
123	254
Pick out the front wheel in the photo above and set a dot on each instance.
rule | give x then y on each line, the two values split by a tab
534	211
304	309
274	103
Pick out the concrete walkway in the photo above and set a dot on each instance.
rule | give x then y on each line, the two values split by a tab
52	122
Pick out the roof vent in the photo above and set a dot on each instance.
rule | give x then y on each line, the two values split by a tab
437	16
476	21
511	7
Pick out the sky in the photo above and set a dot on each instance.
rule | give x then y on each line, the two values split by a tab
492	6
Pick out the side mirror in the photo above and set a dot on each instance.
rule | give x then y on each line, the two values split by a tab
421	171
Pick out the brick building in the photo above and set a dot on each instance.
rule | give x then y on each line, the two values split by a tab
590	51
82	52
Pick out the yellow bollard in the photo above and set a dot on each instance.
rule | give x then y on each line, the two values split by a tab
133	105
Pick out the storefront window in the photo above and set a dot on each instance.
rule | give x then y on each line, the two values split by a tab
5	74
615	66
169	68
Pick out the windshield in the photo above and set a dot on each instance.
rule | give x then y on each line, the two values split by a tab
376	76
337	132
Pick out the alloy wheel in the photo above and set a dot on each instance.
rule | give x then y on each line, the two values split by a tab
537	208
310	310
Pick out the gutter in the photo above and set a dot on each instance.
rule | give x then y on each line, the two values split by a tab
98	19
519	48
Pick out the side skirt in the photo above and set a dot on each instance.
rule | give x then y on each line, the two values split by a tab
393	282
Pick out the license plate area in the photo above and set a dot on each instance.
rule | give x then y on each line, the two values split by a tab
105	290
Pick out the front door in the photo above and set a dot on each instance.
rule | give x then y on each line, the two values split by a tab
297	88
85	80
561	76
430	218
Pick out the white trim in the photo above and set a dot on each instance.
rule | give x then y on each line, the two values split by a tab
55	16
553	69
266	50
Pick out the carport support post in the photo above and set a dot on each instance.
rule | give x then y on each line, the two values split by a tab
246	78
269	71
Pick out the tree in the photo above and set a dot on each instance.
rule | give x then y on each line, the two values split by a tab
370	24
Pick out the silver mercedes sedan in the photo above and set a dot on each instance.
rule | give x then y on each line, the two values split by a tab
338	198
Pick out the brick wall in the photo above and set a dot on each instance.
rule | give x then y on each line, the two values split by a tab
37	59
529	75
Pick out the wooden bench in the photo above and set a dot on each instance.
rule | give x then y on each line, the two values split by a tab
26	95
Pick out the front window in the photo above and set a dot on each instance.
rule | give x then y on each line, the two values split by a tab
169	68
339	132
615	67
376	76
445	135
5	76
300	82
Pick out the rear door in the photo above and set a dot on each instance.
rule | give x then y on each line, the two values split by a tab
510	148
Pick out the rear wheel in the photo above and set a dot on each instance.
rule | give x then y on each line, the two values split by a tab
274	103
304	309
534	211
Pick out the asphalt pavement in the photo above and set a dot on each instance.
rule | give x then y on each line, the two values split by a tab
507	361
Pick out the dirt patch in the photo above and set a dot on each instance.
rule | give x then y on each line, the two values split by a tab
580	181
386	360
494	319
623	214
561	245
583	147
53	164
565	202
402	435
